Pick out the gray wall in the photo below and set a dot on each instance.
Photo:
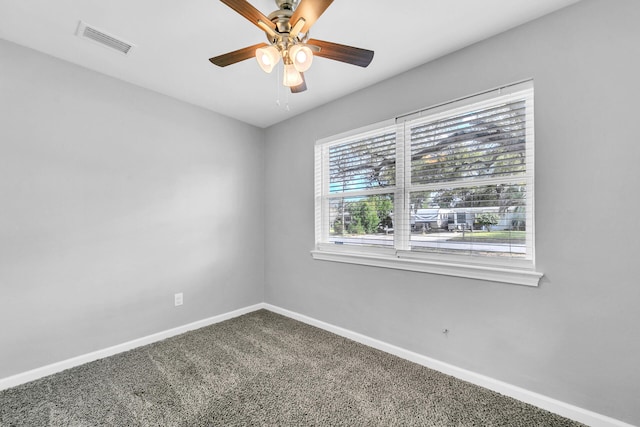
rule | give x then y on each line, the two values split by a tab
576	337
113	198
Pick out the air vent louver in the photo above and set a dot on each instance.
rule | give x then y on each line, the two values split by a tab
91	33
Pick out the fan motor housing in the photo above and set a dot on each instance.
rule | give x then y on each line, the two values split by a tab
281	18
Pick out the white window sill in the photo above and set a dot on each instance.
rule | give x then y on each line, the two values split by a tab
503	274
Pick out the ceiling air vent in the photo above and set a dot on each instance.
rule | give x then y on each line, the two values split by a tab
87	32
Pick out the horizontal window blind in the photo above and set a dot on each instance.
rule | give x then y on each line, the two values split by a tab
362	164
485	143
469	170
356	187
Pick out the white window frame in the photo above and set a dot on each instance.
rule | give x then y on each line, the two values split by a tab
400	256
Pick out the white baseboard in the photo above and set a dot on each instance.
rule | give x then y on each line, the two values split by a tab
552	405
43	371
572	412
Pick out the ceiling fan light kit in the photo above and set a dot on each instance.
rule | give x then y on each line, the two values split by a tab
301	56
287	30
268	57
292	77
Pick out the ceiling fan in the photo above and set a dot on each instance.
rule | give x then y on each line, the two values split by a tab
287	31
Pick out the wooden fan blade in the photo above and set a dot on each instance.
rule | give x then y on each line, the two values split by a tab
343	53
310	10
301	87
236	55
245	9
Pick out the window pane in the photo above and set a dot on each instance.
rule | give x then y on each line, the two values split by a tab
361	220
363	164
482	220
486	143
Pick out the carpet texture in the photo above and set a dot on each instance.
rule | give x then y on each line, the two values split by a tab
260	369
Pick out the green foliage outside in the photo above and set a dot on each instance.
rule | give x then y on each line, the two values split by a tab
356	227
338	227
502	236
366	216
487	219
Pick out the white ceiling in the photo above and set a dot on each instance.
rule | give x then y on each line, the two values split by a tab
174	39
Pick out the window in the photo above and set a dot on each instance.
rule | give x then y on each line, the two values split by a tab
359	176
447	190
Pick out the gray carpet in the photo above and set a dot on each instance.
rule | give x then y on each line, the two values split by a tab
260	369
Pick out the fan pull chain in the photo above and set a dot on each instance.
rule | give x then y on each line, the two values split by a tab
278	89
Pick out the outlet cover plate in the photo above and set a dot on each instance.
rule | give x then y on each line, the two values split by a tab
178	299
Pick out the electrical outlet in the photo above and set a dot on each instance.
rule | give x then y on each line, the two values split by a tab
177	299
